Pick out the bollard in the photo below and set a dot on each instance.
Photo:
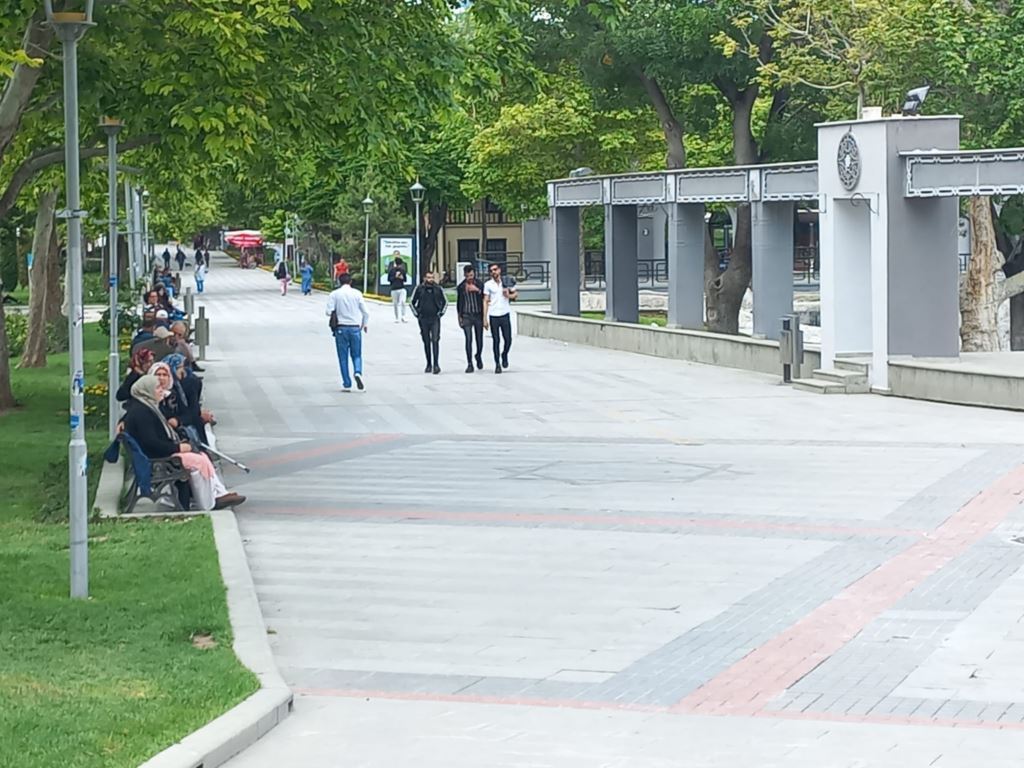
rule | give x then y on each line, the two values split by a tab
202	332
791	348
190	304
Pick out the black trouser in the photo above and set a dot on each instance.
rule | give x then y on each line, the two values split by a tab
473	325
501	323
430	332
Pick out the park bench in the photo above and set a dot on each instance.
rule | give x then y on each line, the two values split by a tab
149	478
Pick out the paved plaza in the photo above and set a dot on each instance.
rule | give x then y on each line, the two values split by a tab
602	559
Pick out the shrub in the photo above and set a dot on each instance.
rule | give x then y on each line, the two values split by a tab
17	332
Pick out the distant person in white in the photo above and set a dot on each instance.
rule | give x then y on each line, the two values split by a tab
349	319
498	293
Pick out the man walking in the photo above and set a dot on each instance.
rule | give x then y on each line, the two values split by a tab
428	303
349	318
498	293
397	276
179	256
166	256
470	306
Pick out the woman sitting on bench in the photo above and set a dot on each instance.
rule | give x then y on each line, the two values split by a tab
158	440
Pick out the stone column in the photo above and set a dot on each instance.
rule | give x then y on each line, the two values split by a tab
686	265
565	267
622	303
772	259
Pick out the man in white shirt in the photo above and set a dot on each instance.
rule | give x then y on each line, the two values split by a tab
349	319
498	293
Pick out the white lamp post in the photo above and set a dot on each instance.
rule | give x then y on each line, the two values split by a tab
70	27
417	191
111	127
367	207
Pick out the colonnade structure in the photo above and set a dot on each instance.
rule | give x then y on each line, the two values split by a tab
886	189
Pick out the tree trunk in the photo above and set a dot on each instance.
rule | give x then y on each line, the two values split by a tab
979	297
34	354
54	295
436	216
18	93
675	156
7	401
723	294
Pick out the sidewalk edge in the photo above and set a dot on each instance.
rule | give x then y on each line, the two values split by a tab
238	728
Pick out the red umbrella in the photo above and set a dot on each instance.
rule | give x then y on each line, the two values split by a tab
245	238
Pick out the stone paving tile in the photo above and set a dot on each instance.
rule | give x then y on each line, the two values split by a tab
447	544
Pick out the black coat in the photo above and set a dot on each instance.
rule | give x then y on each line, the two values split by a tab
141	423
124	392
428	301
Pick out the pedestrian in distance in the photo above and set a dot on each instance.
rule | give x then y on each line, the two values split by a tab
166	256
398	275
198	257
349	319
469	304
499	291
429	303
340	268
281	273
306	270
179	256
200	275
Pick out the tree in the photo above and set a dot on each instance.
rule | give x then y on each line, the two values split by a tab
44	250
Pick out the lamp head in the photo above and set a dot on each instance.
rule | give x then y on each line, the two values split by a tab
79	19
367	204
914	99
145	198
111	125
417	191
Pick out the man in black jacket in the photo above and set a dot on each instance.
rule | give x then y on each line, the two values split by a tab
470	306
428	303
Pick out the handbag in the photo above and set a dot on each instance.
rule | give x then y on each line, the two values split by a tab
333	322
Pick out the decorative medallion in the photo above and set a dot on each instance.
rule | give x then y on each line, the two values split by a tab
848	160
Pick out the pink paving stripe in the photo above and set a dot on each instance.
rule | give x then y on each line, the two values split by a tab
591	519
748	685
322	450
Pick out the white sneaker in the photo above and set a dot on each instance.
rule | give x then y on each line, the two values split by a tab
403	320
396	319
359	381
346	389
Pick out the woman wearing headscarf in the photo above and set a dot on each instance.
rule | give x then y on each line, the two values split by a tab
158	440
142	360
188	393
171	403
306	270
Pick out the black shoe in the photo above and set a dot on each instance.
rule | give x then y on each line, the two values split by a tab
469	368
479	363
437	369
504	361
359	380
497	369
428	369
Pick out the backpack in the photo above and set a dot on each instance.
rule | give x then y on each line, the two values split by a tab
281	272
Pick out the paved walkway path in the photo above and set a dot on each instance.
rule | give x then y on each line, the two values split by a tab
604	559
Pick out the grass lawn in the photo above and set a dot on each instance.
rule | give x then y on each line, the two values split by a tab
646	318
112	680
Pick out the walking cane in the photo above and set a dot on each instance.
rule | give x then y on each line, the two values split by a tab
224	456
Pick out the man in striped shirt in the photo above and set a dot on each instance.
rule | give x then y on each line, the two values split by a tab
470	306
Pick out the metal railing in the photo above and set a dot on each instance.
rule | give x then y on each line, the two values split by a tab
477	217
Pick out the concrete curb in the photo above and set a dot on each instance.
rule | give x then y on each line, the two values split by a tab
220	740
108	492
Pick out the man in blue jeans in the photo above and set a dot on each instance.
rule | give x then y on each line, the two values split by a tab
349	320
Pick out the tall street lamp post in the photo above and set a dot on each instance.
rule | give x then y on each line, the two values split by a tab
70	27
417	191
367	208
145	229
111	127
